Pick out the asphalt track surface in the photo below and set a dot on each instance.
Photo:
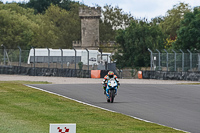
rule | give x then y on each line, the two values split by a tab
176	106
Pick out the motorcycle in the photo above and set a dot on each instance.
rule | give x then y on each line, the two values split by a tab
112	86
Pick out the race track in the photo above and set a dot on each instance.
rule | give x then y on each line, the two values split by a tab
176	106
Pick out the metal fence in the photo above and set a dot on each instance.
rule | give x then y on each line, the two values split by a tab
14	57
174	61
19	57
17	61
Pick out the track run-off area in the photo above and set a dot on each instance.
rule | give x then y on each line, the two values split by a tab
172	105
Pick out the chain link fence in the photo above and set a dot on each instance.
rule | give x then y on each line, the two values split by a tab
175	61
163	65
18	57
174	65
18	61
13	57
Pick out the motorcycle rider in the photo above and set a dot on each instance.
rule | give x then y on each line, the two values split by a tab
108	77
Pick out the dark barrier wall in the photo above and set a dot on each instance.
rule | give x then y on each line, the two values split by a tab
103	73
164	75
48	72
44	71
160	75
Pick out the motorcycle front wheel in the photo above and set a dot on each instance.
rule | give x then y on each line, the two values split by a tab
108	100
112	96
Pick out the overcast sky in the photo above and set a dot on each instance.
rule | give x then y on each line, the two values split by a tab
138	8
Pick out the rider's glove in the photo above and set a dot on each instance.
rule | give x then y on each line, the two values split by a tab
119	84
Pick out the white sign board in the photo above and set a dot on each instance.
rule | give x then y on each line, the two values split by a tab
62	128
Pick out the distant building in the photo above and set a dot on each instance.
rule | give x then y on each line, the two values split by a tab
43	55
89	28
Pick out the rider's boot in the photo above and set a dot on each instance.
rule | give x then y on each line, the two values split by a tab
104	90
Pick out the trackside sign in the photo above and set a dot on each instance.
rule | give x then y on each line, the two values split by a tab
62	128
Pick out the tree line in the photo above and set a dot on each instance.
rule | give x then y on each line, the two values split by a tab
56	23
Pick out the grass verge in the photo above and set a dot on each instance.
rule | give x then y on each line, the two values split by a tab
26	110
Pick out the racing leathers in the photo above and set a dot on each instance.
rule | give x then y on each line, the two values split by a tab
105	79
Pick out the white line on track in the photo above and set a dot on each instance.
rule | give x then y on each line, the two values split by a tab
101	107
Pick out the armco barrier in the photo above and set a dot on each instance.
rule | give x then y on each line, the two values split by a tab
166	75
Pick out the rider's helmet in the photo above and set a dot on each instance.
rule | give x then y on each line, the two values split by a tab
110	74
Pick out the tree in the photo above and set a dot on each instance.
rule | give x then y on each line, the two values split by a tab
157	20
116	17
67	4
106	32
41	5
59	28
134	42
173	18
189	32
113	18
16	26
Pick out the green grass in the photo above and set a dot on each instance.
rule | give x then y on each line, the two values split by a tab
27	110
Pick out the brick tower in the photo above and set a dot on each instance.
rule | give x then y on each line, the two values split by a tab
89	28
